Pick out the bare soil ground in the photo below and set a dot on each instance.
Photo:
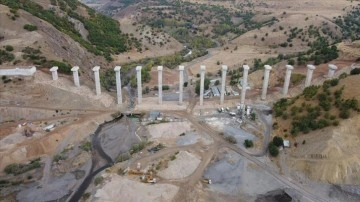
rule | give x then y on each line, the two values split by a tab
170	46
120	186
178	169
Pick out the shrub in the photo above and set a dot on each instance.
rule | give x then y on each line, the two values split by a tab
185	84
231	139
86	146
355	71
98	180
278	141
248	143
273	149
122	157
17	169
30	28
344	114
135	148
253	116
9	48
59	157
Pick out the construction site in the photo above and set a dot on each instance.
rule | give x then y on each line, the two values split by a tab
113	125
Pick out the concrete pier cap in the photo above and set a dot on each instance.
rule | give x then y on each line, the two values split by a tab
289	67
117	68
160	68
268	67
246	67
224	67
138	68
311	67
202	67
75	68
181	68
96	68
54	68
332	67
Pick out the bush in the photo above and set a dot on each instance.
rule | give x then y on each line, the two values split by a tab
253	116
273	149
6	56
98	180
355	71
17	169
9	48
30	28
59	157
278	141
135	148
231	139
248	143
86	146
185	84
344	114
122	157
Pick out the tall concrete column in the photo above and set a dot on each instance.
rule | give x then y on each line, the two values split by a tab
54	73
75	71
181	84
244	85
224	69
309	75
332	69
138	77
289	68
202	79
266	81
118	84
97	80
160	69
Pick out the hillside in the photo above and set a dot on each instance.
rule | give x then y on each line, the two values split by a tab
47	33
323	127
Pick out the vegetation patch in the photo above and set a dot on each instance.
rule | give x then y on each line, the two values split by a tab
17	169
316	108
86	146
248	143
30	28
105	37
5	56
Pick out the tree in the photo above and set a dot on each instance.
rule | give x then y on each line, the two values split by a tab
278	141
206	85
273	150
253	116
355	71
248	143
217	82
291	62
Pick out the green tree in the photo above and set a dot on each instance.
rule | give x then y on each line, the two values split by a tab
248	143
206	85
273	149
278	141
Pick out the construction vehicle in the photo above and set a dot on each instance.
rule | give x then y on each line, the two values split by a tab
206	181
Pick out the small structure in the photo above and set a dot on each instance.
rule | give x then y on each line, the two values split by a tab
18	72
248	110
49	127
215	91
207	94
286	143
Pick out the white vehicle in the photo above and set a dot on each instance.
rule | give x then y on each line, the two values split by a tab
232	113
